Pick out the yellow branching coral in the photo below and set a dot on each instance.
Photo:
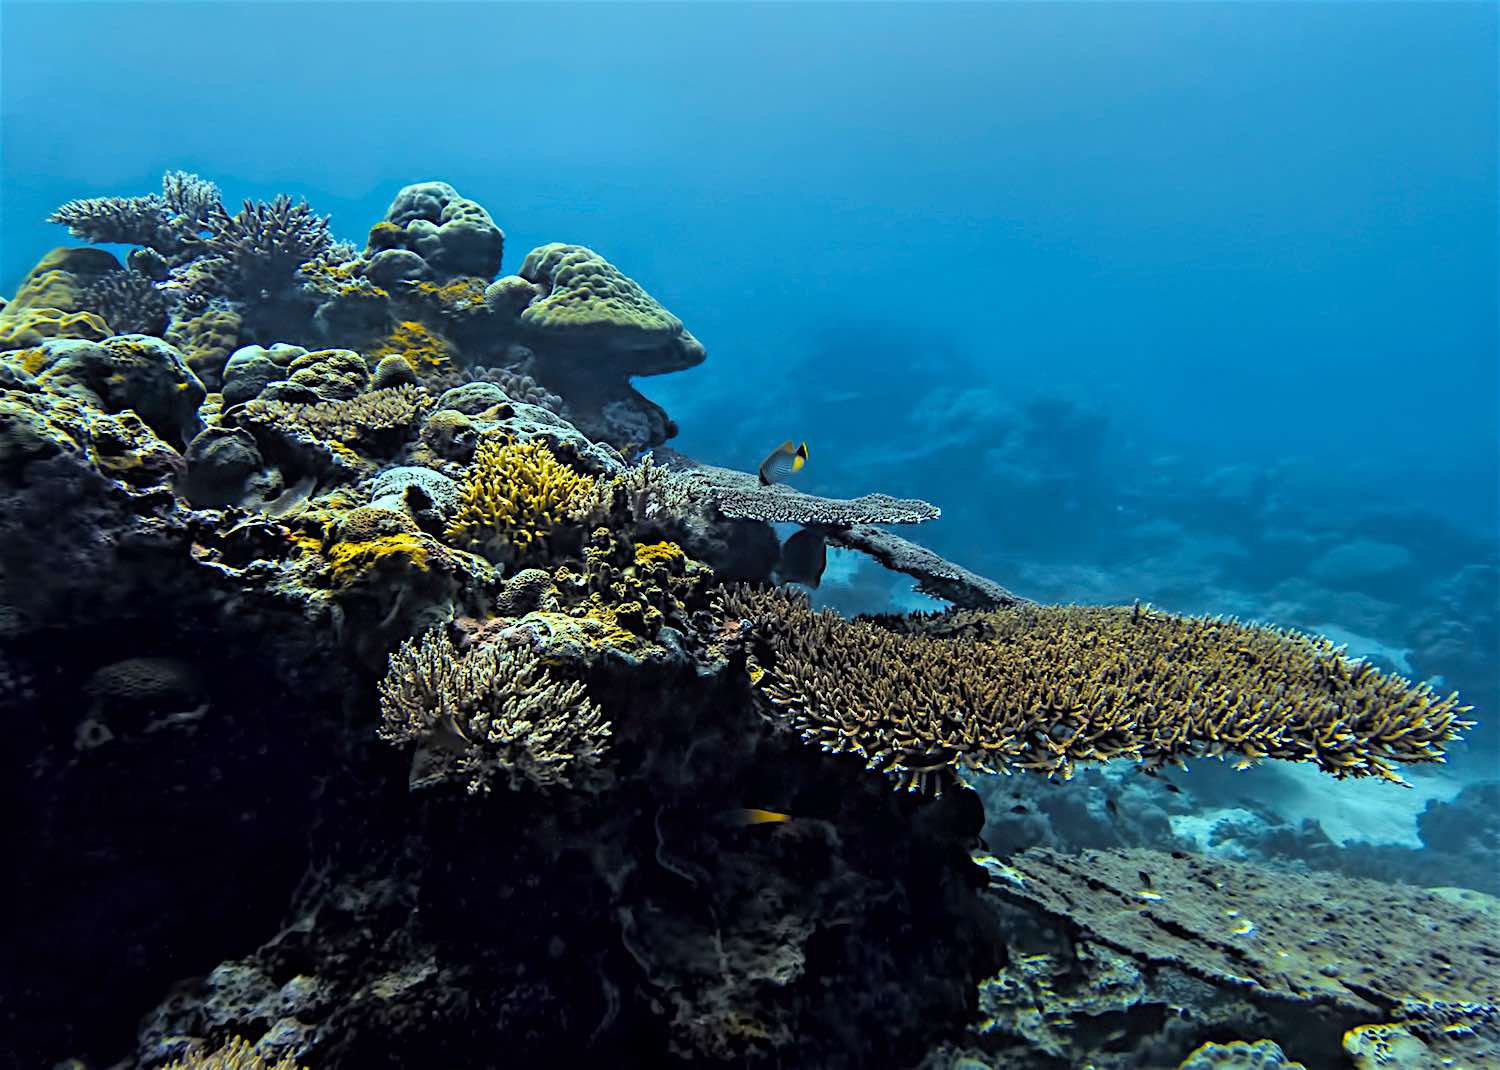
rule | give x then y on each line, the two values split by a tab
415	343
1044	687
494	710
235	1054
515	496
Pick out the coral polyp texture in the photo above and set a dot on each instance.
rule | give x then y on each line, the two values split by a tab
358	581
1046	687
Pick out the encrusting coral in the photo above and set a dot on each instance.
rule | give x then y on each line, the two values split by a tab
516	496
1050	686
490	711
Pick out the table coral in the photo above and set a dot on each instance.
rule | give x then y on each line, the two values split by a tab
741	496
1050	686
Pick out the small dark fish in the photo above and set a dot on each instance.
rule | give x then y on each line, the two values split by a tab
1173	788
1019	809
804	557
784	460
1145	878
1113	807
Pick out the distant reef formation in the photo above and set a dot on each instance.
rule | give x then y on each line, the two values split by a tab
380	694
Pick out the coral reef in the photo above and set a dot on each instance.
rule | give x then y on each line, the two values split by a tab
342	579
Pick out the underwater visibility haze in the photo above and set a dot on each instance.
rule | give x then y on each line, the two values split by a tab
934	536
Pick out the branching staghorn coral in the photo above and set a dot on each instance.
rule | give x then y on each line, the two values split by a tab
516	495
118	220
128	300
261	247
191	200
647	494
164	222
1046	687
493	710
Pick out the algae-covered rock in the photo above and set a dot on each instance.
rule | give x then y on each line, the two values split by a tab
207	341
132	371
25	434
32	326
223	463
251	369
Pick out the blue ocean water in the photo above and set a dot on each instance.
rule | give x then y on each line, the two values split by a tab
1195	303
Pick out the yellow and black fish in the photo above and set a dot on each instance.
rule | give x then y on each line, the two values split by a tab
804	556
784	460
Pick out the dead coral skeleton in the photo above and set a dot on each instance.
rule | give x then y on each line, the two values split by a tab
494	710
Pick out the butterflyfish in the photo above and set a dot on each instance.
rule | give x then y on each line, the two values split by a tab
784	460
804	556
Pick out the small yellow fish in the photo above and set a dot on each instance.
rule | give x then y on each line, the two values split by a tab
752	816
784	460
